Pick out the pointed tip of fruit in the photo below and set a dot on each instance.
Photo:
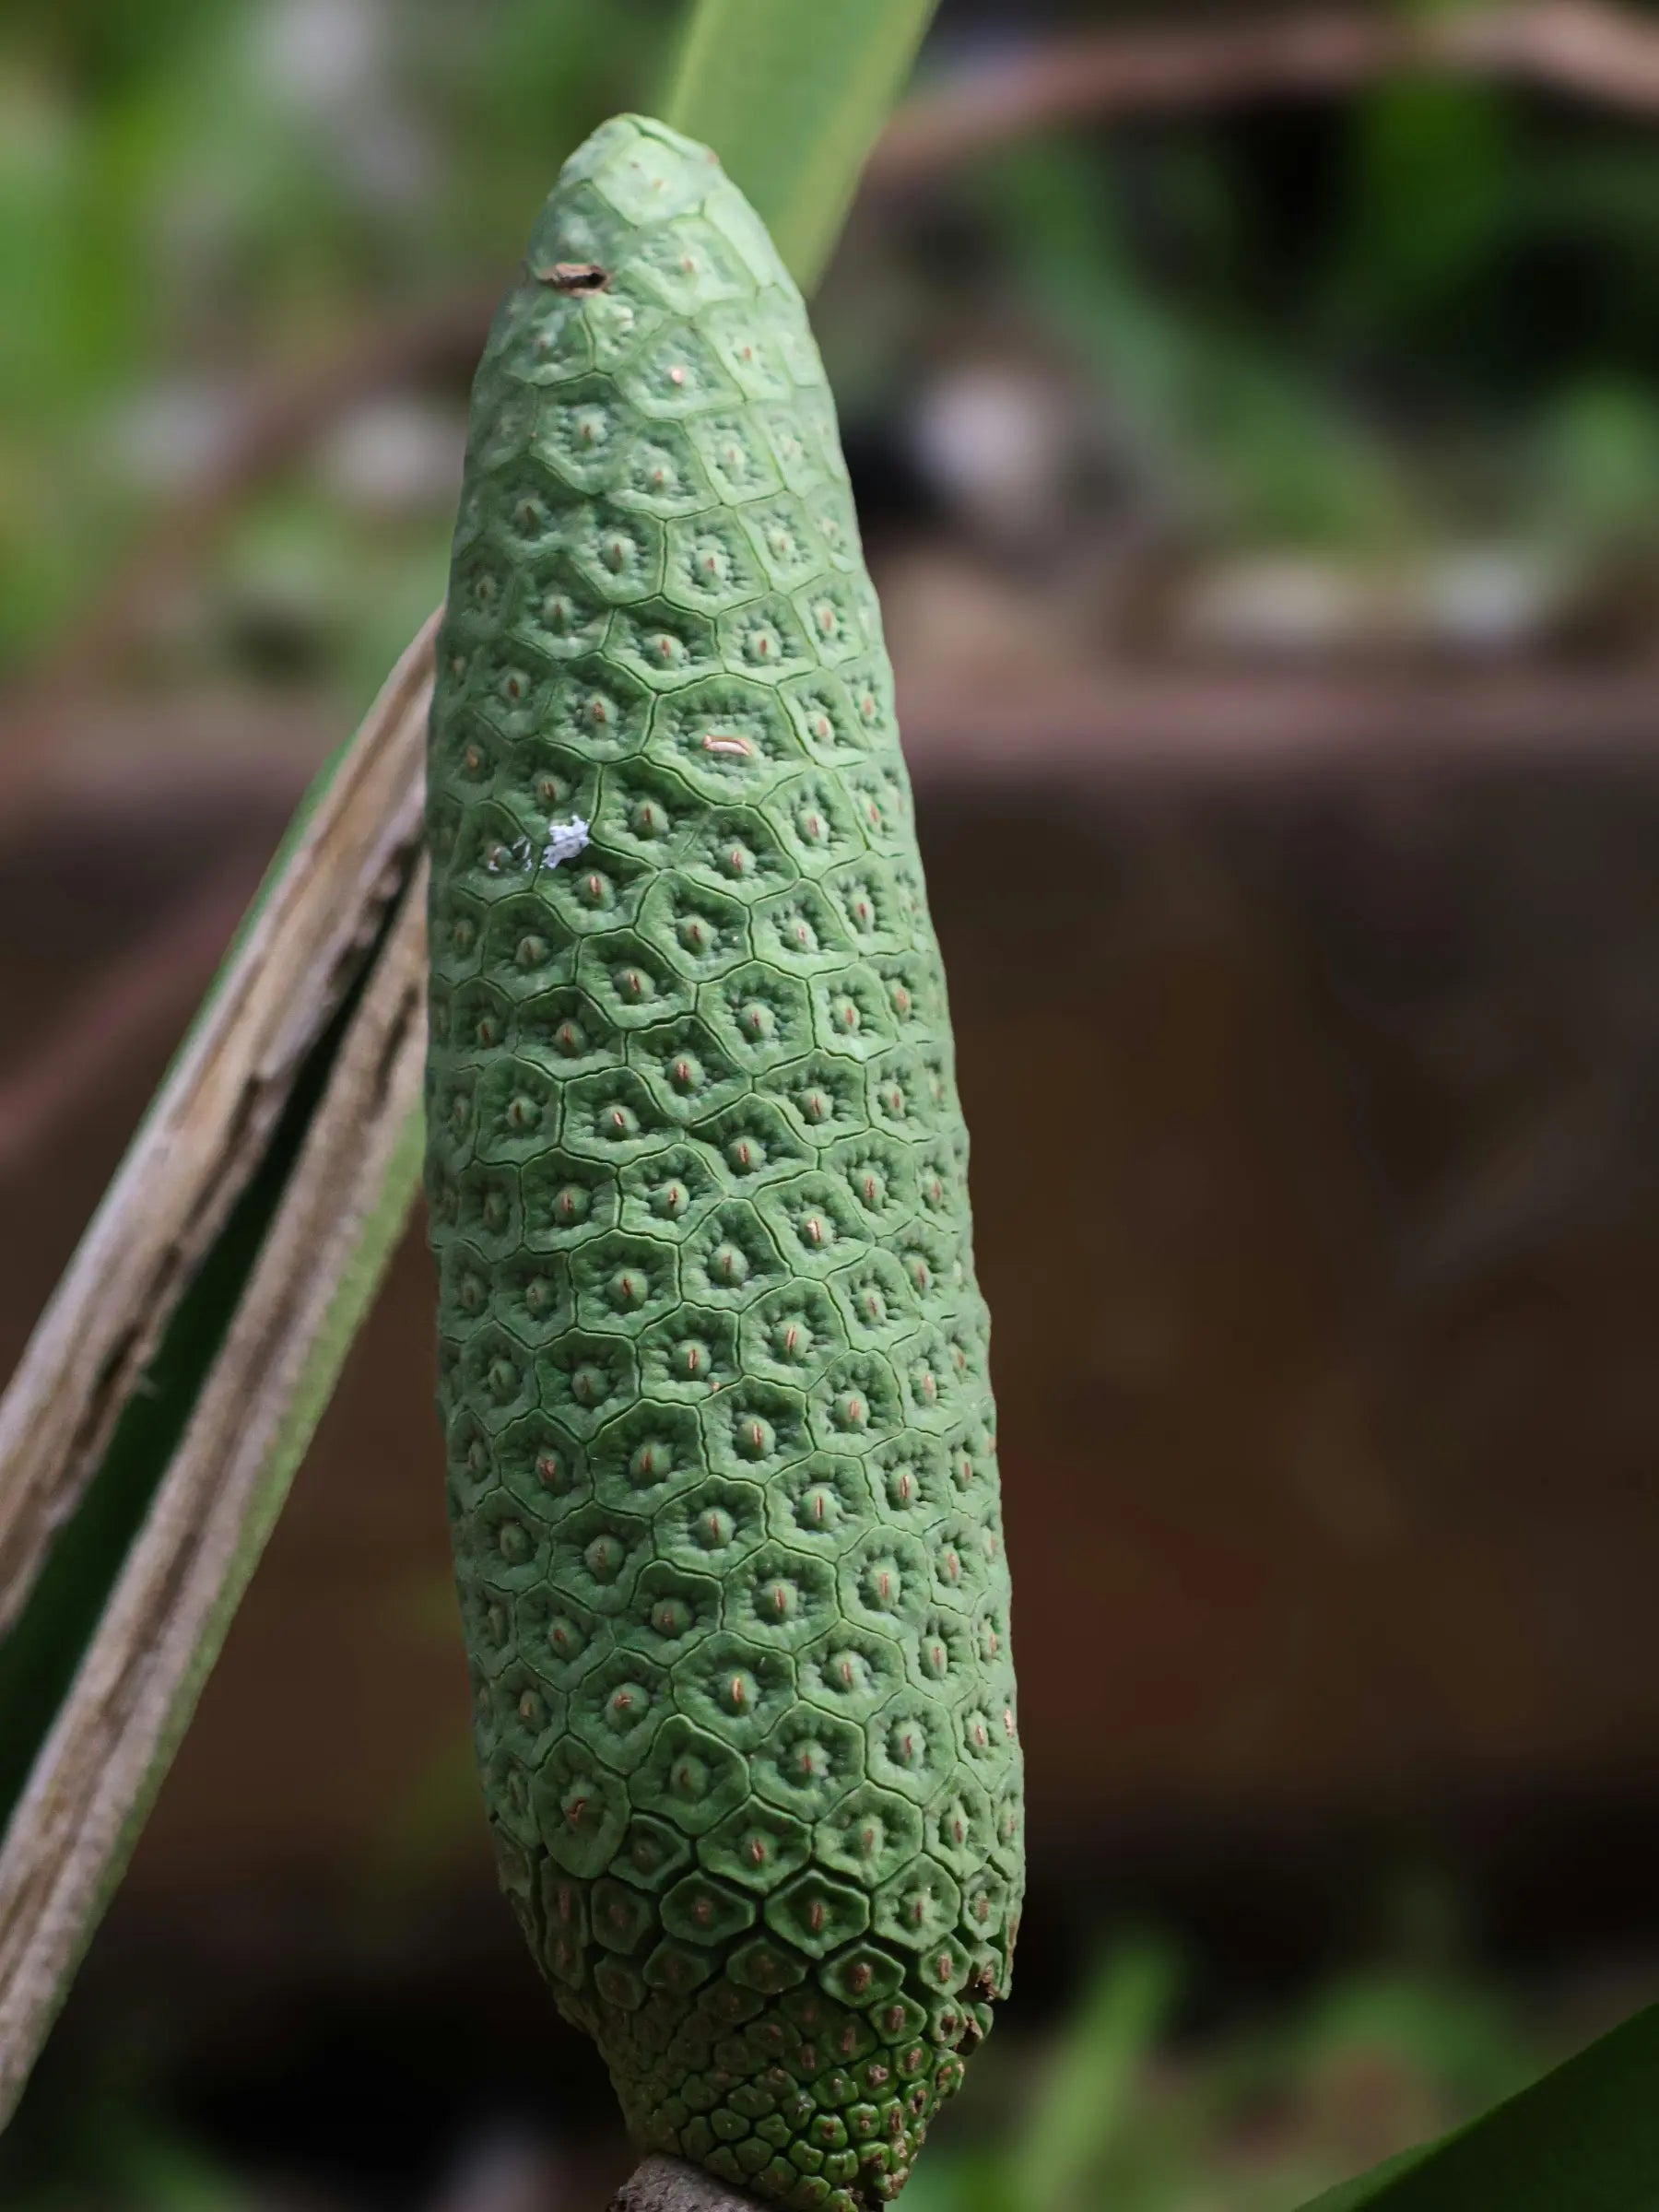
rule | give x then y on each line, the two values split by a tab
641	137
631	173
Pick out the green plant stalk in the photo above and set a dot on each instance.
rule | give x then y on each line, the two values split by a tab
791	94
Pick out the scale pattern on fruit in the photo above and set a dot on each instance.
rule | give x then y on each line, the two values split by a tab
713	1357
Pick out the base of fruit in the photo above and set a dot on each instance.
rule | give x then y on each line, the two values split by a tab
666	2185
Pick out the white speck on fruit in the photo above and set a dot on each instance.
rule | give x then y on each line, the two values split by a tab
565	840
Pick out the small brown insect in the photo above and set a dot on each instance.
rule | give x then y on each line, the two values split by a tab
575	277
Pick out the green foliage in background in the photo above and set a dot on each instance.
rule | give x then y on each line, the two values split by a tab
1429	312
1118	2112
195	199
1112	2110
1424	313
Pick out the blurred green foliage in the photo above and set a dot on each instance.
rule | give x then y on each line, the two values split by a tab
1432	310
1428	313
1251	2119
1111	2110
195	197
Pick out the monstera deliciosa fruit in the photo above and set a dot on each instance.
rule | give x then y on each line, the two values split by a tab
713	1360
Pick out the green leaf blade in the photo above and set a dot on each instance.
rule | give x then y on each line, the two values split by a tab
792	94
1584	2139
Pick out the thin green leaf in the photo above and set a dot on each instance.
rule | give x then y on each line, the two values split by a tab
791	94
1075	2117
1584	2139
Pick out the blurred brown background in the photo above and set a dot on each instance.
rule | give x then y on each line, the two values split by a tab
1254	422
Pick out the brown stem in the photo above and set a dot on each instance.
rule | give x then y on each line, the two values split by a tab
665	2185
1583	47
